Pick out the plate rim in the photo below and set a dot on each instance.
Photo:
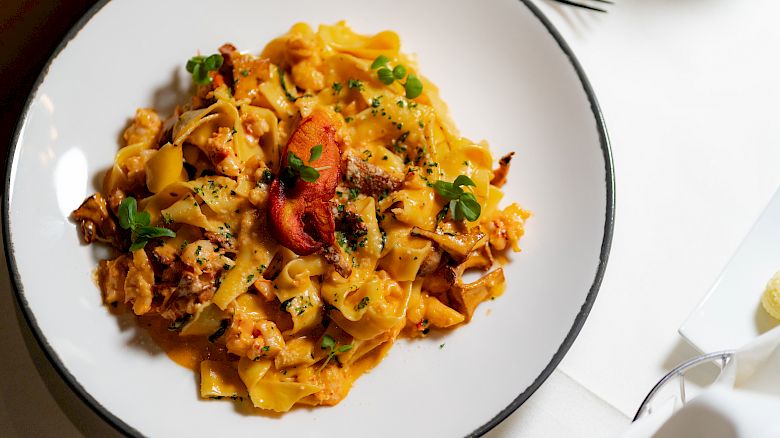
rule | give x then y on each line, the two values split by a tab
122	427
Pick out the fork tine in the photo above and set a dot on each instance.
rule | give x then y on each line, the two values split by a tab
580	5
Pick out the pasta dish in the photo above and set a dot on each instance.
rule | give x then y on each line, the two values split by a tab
306	208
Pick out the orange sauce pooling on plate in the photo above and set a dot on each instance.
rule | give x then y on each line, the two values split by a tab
187	351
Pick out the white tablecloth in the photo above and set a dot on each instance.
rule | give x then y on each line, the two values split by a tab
690	92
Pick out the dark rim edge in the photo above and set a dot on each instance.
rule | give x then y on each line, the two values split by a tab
124	428
16	283
606	243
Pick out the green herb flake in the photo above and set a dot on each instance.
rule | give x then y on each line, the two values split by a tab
362	304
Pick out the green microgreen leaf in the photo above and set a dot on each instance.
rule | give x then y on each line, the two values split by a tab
295	166
142	219
455	211
127	213
344	348
213	62
293	160
309	174
469	206
385	76
380	61
200	66
138	244
447	190
399	72
315	152
138	224
463	204
413	86
146	232
463	180
328	342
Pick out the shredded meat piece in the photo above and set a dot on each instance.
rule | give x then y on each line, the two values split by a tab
501	172
220	151
139	282
95	221
334	382
228	51
221	240
431	262
202	256
336	256
111	278
164	254
253	338
274	266
350	222
192	290
371	180
146	127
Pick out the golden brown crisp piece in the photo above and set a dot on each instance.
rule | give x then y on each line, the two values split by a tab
371	180
95	221
139	282
111	278
501	172
297	201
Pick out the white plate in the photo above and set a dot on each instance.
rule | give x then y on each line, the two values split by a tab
731	315
507	76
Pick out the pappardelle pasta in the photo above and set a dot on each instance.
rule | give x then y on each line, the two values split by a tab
306	208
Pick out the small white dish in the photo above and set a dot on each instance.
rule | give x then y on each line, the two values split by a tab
731	315
507	76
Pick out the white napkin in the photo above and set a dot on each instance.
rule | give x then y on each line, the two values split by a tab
743	403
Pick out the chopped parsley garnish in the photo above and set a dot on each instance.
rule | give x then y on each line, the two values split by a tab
354	83
337	87
287	94
463	204
200	66
138	224
363	303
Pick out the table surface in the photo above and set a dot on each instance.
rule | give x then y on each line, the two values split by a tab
688	90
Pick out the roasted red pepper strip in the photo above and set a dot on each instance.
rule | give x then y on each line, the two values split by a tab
300	213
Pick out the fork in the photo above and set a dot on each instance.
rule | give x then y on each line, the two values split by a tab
582	5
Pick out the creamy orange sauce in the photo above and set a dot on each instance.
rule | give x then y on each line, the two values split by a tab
187	351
